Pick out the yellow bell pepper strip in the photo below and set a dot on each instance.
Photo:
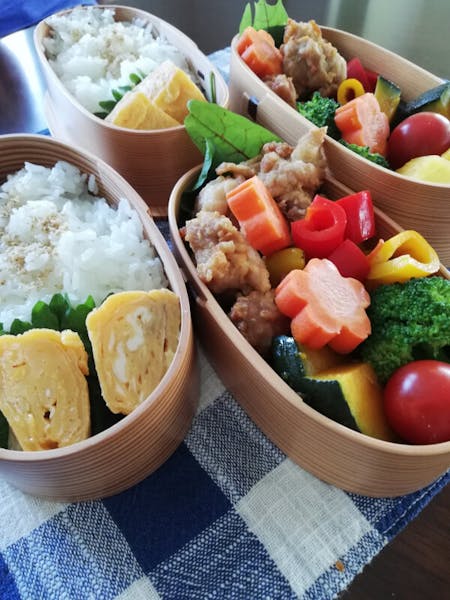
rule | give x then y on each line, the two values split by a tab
321	230
260	219
400	258
280	263
349	89
360	216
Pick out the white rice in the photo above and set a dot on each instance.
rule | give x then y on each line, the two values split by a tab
93	54
56	236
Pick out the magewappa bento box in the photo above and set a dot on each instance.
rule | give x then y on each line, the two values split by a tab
316	58
244	263
118	80
99	380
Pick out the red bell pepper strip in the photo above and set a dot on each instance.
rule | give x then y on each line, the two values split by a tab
350	260
322	228
360	216
372	77
355	70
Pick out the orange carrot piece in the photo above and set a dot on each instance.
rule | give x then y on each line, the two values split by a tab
325	307
361	121
263	59
251	35
259	217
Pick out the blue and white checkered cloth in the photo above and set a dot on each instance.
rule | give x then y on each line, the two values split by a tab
228	516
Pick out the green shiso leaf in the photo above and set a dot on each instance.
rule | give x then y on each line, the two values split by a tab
75	319
118	93
135	78
271	17
43	317
4	431
235	138
221	136
59	305
207	168
18	326
212	81
101	416
107	105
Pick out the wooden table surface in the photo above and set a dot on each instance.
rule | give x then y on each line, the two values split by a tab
416	564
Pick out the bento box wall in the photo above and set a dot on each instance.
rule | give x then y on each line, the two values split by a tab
411	203
151	161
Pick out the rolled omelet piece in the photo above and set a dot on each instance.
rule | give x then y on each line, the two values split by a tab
136	111
134	337
43	391
170	88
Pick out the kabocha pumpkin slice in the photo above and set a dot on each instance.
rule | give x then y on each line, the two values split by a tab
351	395
134	336
293	362
43	393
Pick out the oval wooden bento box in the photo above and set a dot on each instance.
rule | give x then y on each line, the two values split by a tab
412	204
151	161
338	455
124	454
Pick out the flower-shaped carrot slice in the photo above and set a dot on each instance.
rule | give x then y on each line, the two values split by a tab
325	307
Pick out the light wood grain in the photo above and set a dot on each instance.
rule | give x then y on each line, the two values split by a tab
151	161
332	452
127	452
412	204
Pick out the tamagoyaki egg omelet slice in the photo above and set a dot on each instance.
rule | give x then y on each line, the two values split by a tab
136	111
170	88
134	337
43	389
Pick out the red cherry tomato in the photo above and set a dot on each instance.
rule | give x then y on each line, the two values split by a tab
417	402
418	135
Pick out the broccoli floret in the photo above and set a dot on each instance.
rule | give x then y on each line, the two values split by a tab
364	151
320	111
410	321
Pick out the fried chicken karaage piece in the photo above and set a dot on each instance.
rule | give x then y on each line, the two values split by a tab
225	260
258	319
312	62
283	87
213	196
292	175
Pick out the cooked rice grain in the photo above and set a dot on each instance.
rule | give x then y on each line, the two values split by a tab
55	236
92	53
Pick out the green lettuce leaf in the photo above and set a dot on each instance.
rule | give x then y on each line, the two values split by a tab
271	17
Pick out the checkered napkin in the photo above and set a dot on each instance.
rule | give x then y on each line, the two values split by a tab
228	516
